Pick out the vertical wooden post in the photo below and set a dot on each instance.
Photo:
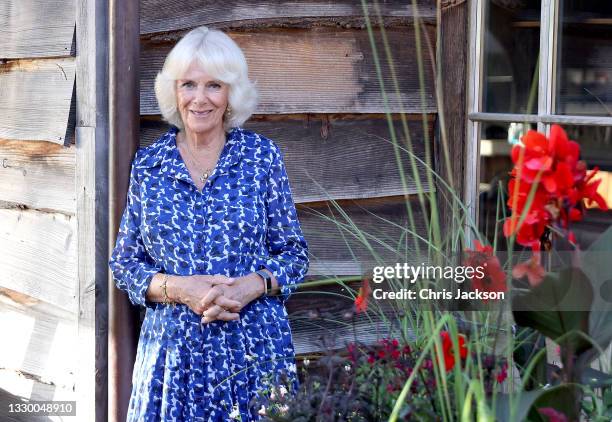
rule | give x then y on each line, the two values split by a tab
92	206
124	113
451	89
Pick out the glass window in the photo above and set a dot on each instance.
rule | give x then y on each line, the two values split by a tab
595	144
496	141
584	54
511	48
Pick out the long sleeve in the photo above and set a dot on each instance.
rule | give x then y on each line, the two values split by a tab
131	266
287	247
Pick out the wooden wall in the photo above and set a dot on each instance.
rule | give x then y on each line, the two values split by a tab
322	101
38	285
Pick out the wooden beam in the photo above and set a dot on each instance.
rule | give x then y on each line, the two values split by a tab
34	28
452	134
358	235
35	99
323	71
38	175
123	135
91	183
39	256
336	157
174	15
323	318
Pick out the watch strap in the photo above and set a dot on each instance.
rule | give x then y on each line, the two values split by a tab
267	281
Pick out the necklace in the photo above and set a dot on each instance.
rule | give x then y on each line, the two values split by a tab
206	173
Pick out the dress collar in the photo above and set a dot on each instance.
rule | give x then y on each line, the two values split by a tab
173	165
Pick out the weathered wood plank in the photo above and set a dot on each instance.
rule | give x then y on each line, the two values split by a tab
39	256
450	151
34	28
38	175
322	71
173	15
92	207
35	99
361	234
42	339
323	318
335	157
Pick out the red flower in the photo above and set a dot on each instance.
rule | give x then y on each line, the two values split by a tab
352	352
502	374
447	350
494	278
552	415
549	167
361	301
532	268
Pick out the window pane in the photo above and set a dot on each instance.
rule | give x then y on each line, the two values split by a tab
512	45
495	165
595	144
496	141
584	76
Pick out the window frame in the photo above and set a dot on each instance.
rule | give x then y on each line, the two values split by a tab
545	116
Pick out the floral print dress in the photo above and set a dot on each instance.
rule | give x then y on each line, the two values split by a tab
243	220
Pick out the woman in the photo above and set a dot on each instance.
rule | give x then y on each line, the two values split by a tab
210	243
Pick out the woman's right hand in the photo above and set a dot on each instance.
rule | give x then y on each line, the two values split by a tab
191	290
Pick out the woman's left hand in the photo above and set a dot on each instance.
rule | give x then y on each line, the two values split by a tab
244	290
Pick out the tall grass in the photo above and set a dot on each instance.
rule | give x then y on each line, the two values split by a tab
460	393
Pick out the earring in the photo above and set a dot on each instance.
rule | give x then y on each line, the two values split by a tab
228	111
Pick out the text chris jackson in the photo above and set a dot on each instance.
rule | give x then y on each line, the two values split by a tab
412	274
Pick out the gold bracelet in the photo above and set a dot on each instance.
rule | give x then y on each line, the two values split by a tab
165	289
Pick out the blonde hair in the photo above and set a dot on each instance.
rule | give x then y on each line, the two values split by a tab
222	59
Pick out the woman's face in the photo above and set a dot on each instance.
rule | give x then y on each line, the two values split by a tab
202	100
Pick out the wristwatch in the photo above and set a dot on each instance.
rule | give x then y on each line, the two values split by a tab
267	281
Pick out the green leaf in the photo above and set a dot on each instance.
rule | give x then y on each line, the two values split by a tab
596	379
597	265
558	307
526	399
563	398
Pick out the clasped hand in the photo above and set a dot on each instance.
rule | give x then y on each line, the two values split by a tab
214	297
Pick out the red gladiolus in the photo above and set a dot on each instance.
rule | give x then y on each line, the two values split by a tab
447	349
502	374
494	279
532	268
361	301
560	183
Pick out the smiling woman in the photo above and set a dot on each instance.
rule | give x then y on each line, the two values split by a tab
208	235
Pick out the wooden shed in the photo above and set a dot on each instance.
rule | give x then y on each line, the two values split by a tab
76	99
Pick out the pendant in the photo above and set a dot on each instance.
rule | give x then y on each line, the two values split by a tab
204	177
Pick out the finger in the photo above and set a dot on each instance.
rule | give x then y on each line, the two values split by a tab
210	297
228	316
213	312
228	303
221	279
223	316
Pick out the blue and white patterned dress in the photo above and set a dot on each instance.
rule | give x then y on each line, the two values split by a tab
243	220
